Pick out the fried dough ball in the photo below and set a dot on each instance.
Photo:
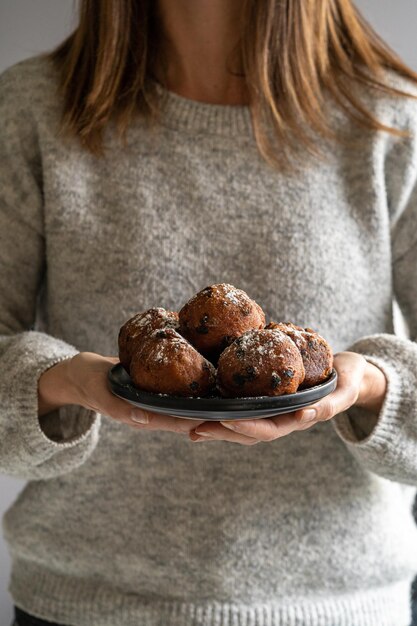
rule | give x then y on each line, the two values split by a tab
133	332
316	353
167	363
260	363
216	316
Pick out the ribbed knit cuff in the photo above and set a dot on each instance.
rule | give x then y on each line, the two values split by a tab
64	428
385	431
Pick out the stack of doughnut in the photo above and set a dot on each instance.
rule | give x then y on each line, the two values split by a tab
218	344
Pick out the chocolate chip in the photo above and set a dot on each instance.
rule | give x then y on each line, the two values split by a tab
288	373
203	329
194	385
275	381
161	334
250	372
239	379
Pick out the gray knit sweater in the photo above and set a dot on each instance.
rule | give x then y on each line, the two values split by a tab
120	527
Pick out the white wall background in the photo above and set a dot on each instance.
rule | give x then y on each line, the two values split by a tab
31	26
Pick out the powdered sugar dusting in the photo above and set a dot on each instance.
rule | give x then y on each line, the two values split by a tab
260	343
147	318
162	349
225	291
234	295
261	340
141	320
300	335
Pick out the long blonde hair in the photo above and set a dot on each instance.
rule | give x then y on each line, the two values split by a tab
295	53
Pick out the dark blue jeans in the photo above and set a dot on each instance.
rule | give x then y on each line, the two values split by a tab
24	619
414	602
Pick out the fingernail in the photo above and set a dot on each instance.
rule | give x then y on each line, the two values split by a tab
203	434
308	415
140	417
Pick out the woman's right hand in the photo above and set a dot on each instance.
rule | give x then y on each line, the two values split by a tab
82	380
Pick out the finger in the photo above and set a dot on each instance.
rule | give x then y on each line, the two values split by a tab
350	373
111	405
123	411
213	431
147	420
267	429
118	409
350	368
160	421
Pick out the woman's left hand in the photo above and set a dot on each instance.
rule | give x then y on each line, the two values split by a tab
360	383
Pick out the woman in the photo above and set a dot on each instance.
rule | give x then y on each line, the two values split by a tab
268	145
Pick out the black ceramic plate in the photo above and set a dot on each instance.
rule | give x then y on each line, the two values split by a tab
216	408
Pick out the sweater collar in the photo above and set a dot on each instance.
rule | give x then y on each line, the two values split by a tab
194	116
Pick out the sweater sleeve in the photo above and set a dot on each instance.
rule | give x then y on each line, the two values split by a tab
389	447
30	447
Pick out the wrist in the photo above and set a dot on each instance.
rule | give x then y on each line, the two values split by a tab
55	388
373	389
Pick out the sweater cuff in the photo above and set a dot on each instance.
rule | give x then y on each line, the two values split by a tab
61	429
385	431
